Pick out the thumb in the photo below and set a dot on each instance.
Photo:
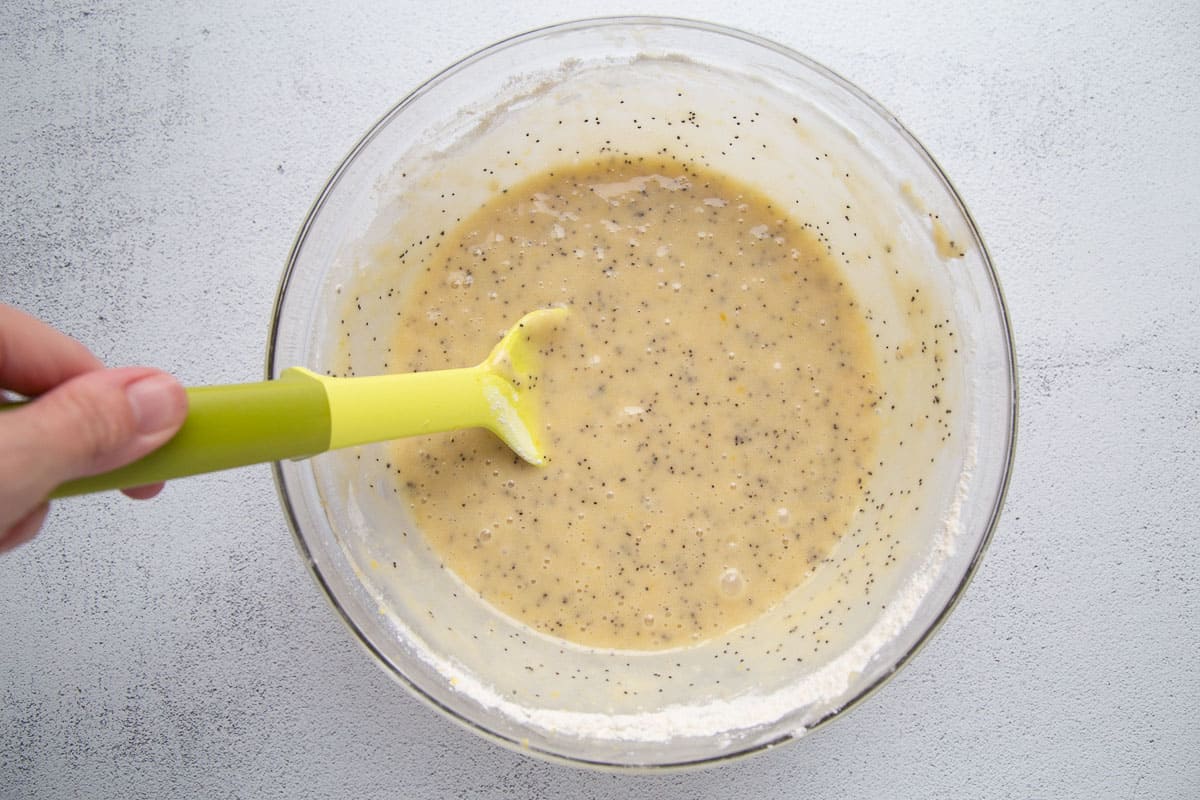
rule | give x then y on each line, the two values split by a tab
93	423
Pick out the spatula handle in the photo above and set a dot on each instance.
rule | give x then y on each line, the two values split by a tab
230	426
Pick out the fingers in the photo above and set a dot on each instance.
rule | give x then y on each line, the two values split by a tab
143	492
97	422
84	420
24	529
94	422
34	357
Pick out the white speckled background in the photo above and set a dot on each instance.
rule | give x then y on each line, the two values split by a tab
155	164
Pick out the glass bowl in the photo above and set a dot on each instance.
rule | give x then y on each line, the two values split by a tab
910	253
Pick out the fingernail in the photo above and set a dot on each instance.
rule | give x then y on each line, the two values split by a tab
154	402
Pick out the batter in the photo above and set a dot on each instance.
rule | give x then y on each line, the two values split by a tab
709	406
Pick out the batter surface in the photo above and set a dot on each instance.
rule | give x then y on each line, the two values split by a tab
709	406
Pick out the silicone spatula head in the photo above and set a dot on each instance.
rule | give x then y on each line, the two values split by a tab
512	368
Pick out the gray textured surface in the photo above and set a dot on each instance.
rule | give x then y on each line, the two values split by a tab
154	166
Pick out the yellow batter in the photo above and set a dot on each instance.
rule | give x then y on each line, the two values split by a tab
709	407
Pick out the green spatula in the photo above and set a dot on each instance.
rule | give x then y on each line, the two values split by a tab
302	414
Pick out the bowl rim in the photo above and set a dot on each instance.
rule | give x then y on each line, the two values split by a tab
1010	437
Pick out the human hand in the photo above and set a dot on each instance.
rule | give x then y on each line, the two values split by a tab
85	419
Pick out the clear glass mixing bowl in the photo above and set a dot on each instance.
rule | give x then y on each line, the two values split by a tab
835	159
